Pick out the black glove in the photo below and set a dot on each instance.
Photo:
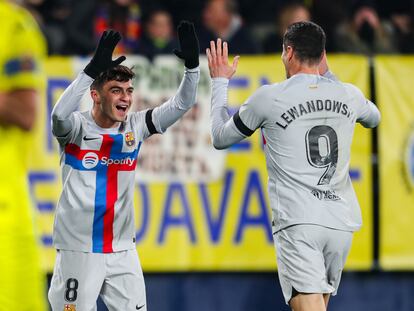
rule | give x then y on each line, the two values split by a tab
102	59
190	49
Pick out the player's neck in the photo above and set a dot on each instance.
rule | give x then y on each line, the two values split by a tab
102	121
304	68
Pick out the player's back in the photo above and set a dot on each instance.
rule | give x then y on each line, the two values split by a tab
308	128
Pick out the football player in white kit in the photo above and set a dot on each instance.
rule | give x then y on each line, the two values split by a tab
94	231
307	122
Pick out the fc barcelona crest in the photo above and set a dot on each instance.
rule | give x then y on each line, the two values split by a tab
130	139
69	307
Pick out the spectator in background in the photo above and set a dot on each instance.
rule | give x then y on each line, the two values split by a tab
79	28
22	49
52	15
36	8
221	20
403	23
364	33
289	14
329	14
123	16
158	36
66	24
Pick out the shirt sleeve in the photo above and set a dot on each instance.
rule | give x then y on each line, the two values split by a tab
22	68
369	115
63	118
157	120
226	130
252	113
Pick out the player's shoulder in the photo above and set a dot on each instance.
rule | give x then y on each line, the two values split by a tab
267	90
299	81
137	117
263	95
24	36
82	119
352	90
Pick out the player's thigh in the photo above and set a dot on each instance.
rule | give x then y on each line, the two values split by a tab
77	280
124	287
308	302
326	299
301	263
336	252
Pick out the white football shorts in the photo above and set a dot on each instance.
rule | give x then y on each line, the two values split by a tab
78	279
311	258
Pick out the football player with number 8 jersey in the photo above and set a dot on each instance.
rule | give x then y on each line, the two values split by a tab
94	230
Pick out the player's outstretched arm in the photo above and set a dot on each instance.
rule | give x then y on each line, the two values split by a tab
169	112
68	102
101	61
223	130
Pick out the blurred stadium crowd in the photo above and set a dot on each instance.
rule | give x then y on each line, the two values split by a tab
72	27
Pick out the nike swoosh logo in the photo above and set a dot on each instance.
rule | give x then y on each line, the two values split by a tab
139	307
89	138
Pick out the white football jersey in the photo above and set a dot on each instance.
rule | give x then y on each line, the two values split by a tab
95	212
307	123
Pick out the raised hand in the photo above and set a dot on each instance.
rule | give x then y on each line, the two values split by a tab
102	59
218	60
190	49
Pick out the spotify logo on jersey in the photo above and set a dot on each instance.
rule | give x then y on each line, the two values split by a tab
90	160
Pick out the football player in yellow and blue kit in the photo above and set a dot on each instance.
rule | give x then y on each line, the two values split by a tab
22	48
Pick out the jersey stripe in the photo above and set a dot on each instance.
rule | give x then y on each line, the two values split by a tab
99	212
106	193
241	126
100	226
111	197
111	194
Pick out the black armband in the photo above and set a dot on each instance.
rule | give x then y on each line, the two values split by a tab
241	126
150	124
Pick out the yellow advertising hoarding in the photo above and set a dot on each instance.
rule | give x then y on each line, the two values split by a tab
221	224
396	157
355	69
